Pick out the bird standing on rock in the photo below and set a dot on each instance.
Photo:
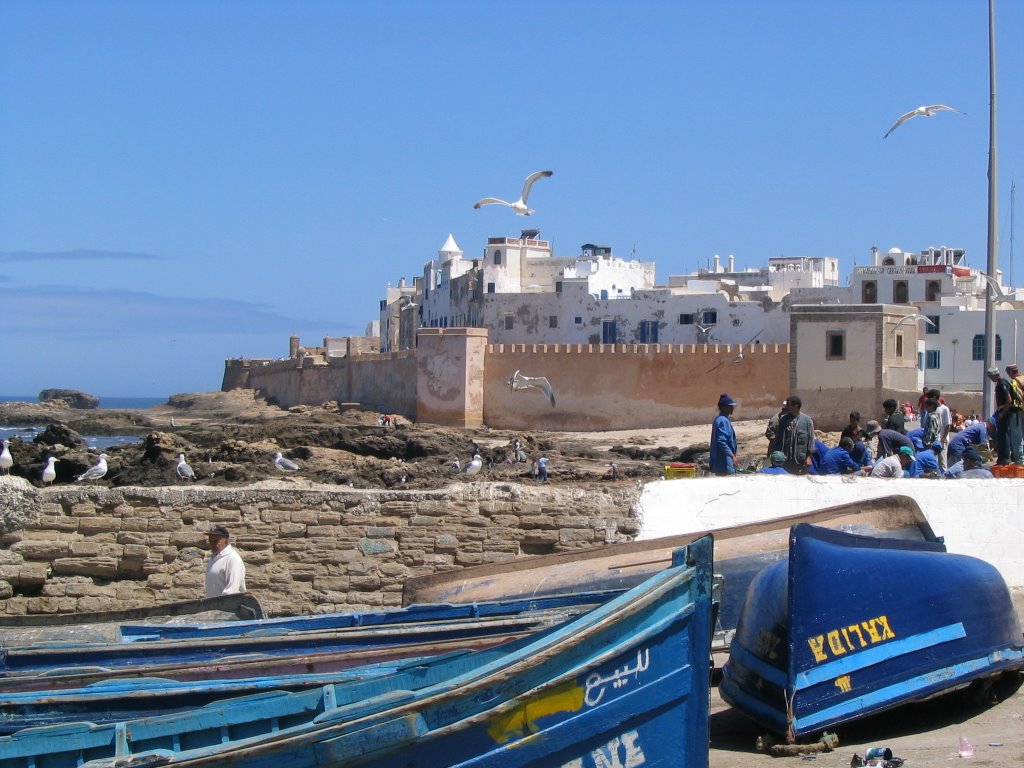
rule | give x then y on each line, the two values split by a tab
183	469
94	472
283	464
6	460
519	206
474	466
49	471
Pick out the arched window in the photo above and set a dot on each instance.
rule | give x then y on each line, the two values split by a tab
978	347
497	257
869	292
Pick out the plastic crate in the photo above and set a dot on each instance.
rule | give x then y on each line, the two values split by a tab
1006	470
677	469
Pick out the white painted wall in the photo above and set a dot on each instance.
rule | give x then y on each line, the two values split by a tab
981	518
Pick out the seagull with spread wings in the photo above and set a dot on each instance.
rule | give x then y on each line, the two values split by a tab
926	111
912	317
519	206
519	382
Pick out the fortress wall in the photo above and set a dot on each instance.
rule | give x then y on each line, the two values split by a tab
606	387
454	378
386	381
306	551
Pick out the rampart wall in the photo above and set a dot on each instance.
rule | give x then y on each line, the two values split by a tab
462	381
385	381
306	551
618	386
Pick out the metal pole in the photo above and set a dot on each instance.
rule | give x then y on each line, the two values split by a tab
993	239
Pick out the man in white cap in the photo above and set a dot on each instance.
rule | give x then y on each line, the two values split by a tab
225	571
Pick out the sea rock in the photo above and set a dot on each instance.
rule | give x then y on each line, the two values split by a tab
59	434
73	397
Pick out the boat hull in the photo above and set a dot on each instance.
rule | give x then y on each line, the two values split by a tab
741	552
854	625
625	684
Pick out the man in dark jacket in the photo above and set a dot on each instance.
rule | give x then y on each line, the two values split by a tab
795	437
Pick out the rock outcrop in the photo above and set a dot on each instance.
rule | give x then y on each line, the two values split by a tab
73	397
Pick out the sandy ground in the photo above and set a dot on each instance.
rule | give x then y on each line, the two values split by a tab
924	735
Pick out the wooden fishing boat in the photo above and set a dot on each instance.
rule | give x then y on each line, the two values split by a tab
105	626
741	552
53	665
624	684
853	625
330	621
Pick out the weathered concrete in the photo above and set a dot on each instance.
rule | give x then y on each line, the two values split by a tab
982	518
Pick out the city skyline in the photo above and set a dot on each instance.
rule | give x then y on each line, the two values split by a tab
186	183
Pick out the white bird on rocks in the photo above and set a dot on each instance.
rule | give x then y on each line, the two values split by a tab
519	206
519	382
183	469
285	465
94	472
6	460
49	471
928	111
474	466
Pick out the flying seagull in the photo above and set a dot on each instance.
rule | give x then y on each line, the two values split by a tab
928	111
285	465
49	471
6	460
518	382
184	470
998	296
739	358
915	317
519	206
95	472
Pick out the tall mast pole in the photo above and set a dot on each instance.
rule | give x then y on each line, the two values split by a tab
993	239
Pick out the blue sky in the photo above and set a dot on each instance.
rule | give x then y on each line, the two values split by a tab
185	182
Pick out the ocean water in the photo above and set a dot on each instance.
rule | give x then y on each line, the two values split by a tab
105	402
99	442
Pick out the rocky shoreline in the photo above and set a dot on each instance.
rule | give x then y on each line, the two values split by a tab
230	438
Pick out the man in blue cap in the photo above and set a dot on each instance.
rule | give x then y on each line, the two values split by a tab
723	439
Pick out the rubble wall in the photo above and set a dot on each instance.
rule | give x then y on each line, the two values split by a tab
306	551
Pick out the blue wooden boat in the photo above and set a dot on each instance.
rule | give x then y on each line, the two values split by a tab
625	684
254	653
854	625
741	552
420	613
105	626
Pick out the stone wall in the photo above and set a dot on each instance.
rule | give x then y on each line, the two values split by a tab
456	379
316	550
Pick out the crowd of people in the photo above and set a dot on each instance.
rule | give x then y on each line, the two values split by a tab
945	444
